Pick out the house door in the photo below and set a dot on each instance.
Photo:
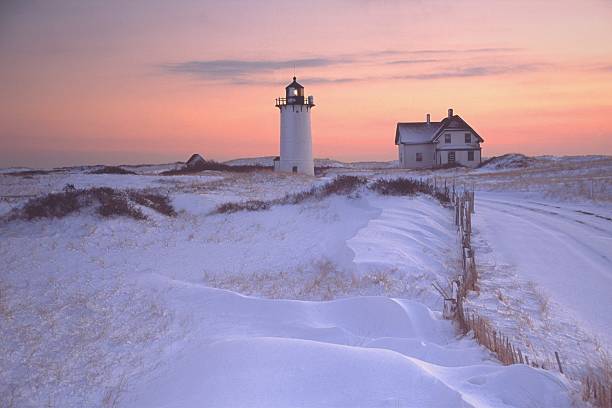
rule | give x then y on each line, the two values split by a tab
294	169
451	157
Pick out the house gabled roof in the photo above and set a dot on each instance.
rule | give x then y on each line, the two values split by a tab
416	132
455	123
423	132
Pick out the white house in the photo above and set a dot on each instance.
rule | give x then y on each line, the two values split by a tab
433	144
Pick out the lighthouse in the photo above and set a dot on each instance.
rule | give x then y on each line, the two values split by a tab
295	135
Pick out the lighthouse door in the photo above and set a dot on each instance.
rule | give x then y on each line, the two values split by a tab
294	169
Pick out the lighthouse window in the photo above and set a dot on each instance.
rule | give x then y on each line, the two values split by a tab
293	91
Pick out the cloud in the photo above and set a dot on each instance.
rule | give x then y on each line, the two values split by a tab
475	71
323	80
487	50
257	72
412	62
226	69
466	72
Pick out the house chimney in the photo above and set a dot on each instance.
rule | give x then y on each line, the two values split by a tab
428	118
450	112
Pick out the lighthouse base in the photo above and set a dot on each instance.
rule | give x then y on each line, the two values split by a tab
294	166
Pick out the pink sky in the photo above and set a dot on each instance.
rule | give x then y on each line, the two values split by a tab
154	81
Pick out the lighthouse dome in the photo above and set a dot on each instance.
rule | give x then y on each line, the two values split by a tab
294	93
294	84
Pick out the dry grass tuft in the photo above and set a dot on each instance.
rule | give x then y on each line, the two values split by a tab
76	344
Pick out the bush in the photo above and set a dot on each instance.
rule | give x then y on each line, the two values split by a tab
112	170
251	205
157	202
399	187
115	203
404	186
108	202
215	166
54	205
321	170
28	173
449	166
341	185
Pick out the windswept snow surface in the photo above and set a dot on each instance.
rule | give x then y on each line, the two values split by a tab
340	312
365	351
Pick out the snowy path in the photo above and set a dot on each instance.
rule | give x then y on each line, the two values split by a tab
564	249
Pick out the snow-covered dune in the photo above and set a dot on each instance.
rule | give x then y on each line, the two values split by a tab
366	351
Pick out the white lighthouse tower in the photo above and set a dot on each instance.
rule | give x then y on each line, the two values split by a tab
295	135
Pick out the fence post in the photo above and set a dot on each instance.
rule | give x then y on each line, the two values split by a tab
559	362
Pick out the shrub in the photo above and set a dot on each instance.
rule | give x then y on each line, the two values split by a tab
215	166
108	202
449	166
341	185
398	187
251	205
442	197
157	202
115	203
321	170
28	173
53	205
112	170
404	186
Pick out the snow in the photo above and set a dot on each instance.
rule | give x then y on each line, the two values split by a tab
413	254
558	255
331	354
325	303
508	161
561	249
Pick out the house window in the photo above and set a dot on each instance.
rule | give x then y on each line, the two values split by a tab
447	138
468	138
470	155
451	157
419	157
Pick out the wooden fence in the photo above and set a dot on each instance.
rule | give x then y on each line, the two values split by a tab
593	390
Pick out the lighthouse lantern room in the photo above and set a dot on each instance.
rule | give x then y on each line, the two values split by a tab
295	134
